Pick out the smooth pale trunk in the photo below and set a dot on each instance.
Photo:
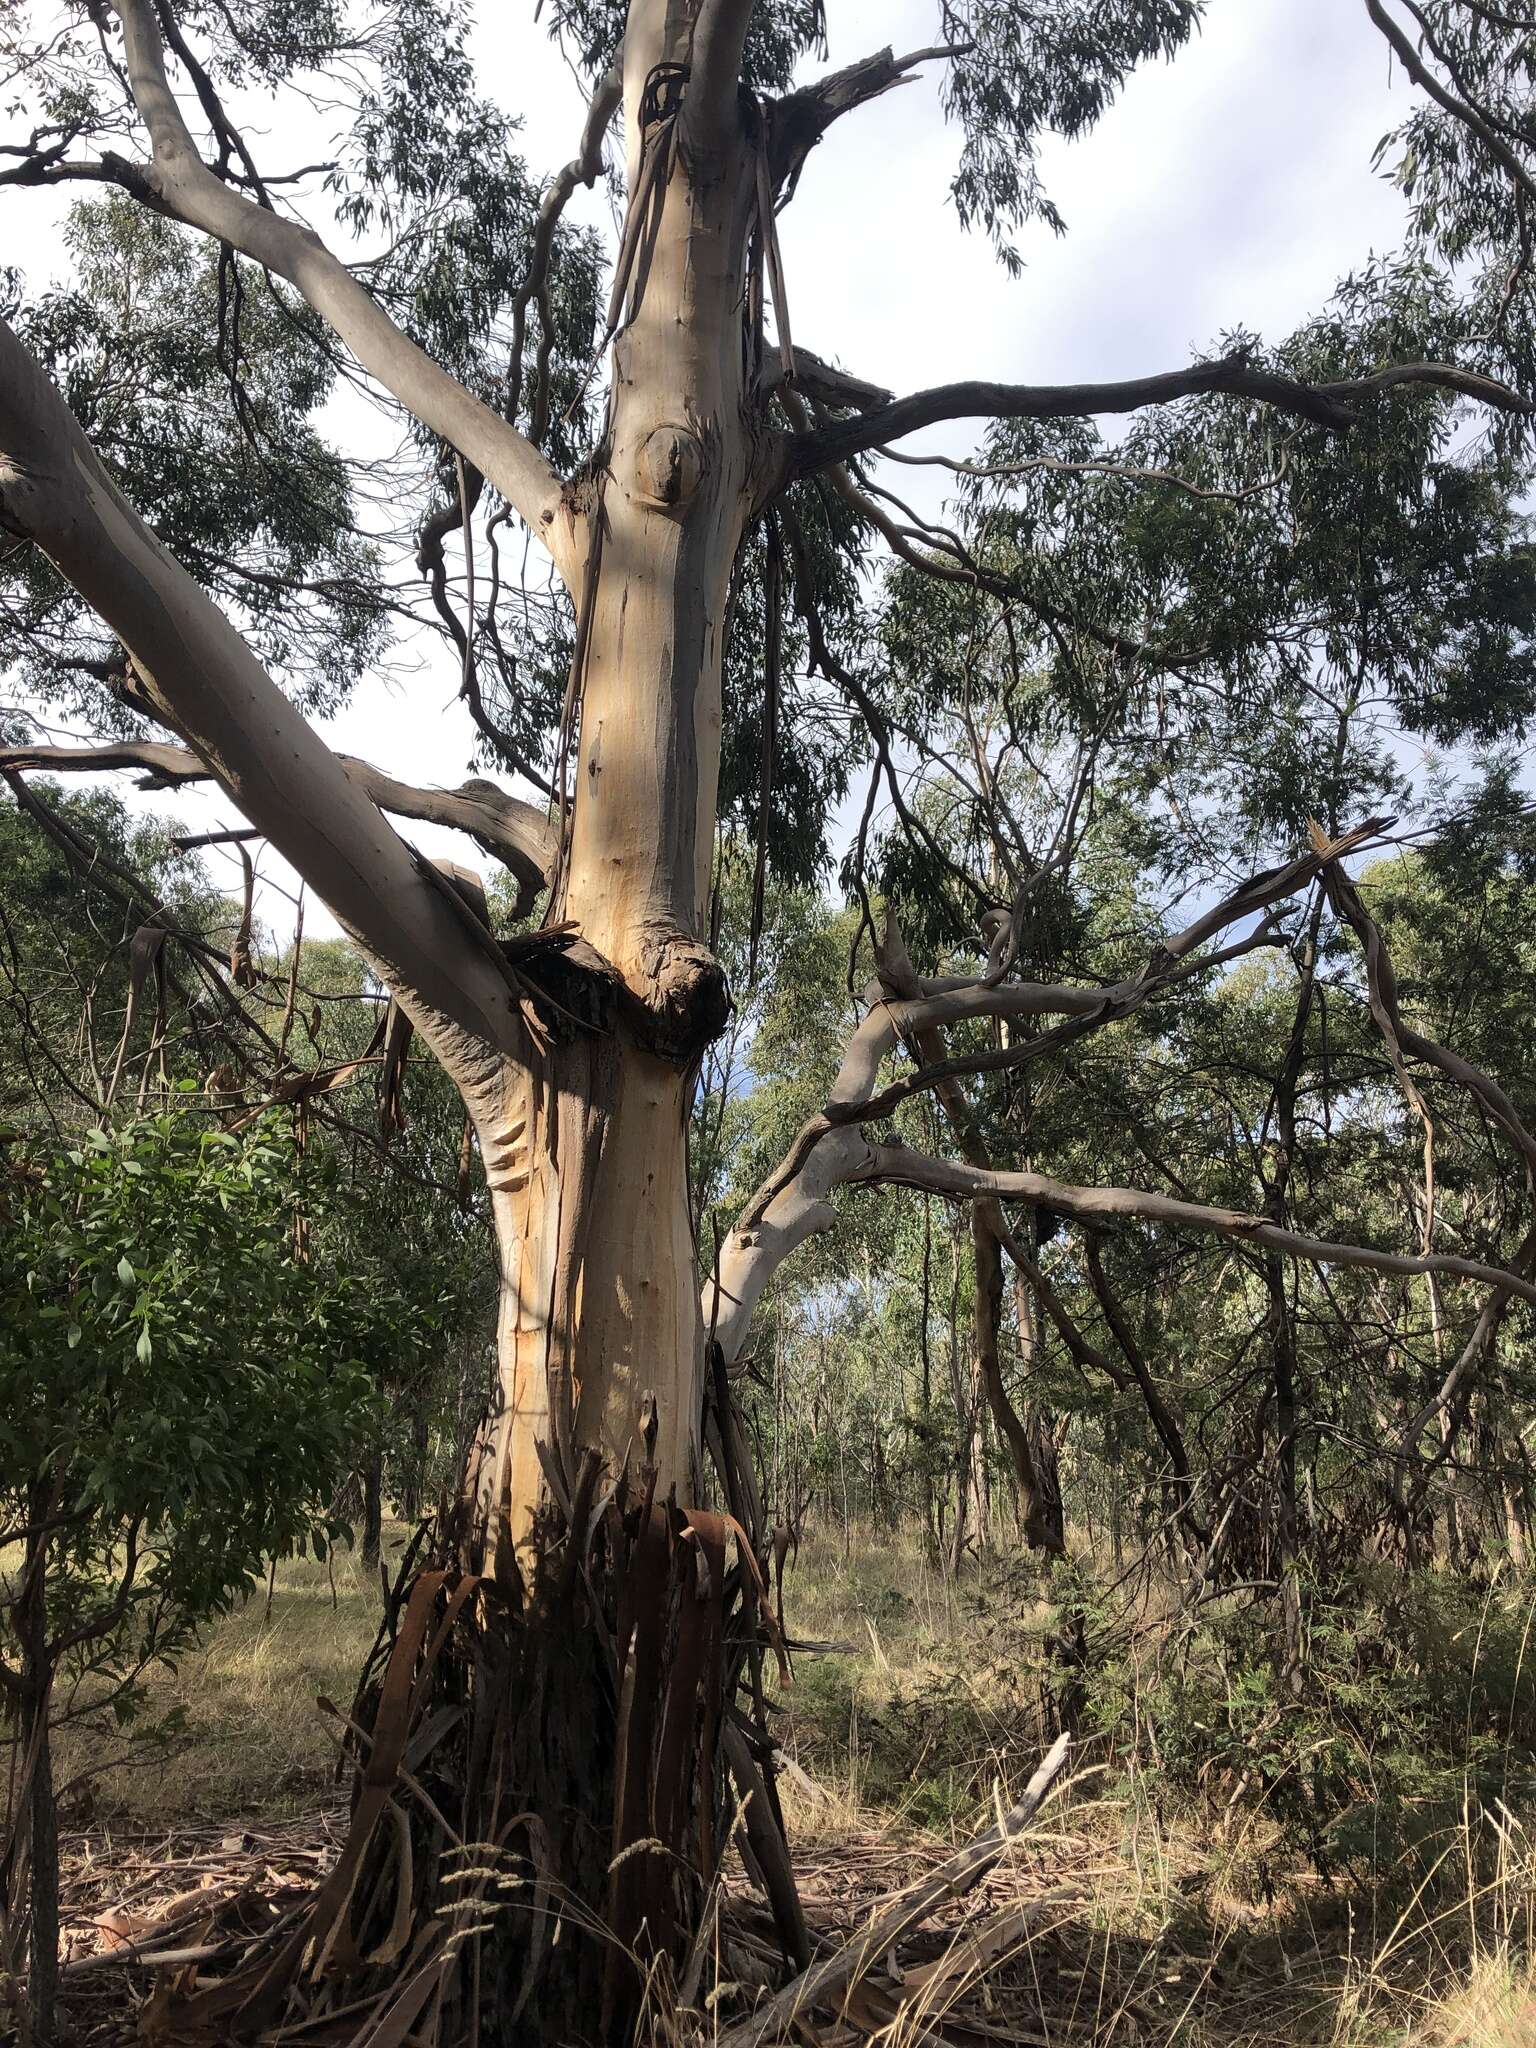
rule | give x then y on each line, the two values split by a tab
601	1341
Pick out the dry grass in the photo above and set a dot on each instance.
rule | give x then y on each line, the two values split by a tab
921	1692
1117	1926
253	1741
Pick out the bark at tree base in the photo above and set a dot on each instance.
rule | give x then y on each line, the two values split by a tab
540	1806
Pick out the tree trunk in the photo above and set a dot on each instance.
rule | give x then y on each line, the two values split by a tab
373	1508
415	1490
558	1668
43	1975
29	1872
1033	1453
585	1625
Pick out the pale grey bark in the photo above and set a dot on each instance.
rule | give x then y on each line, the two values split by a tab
518	835
187	190
259	747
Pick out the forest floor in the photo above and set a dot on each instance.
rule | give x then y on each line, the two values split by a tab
1119	1923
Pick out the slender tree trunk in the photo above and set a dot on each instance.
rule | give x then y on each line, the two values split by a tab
415	1489
373	1509
36	1828
43	1981
1282	1327
960	1394
1514	1528
1037	1493
1115	1461
932	1512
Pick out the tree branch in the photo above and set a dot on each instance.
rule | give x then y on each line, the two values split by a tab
795	124
1461	110
897	1165
583	169
836	389
1381	983
830	1149
709	116
513	832
199	674
1326	405
185	188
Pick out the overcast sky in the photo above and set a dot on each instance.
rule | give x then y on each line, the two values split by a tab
1230	188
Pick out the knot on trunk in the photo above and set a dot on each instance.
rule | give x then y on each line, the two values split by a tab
668	467
683	996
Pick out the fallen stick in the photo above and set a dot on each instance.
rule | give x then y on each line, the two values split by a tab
144	1958
836	1974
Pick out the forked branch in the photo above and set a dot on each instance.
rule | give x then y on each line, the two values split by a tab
795	124
202	678
183	186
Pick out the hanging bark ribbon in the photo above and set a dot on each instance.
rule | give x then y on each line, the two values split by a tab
773	654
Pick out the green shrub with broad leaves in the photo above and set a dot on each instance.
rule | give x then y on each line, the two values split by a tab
174	1410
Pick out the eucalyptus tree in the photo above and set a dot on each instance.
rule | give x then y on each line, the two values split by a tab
707	507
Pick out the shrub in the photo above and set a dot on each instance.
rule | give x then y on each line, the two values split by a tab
172	1415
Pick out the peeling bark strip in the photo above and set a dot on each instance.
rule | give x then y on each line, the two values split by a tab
830	1983
492	1729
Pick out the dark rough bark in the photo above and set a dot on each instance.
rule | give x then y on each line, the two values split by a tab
1033	1457
29	1868
43	1979
373	1509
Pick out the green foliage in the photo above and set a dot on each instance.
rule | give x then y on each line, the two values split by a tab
196	378
430	160
1467	212
1414	1700
815	745
1020	72
778	34
174	1407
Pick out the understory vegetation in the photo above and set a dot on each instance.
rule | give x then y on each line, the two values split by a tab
1177	1910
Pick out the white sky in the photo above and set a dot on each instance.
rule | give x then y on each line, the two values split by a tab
1231	188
